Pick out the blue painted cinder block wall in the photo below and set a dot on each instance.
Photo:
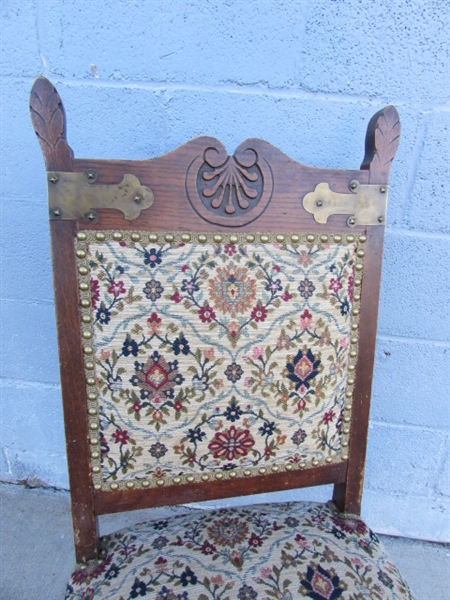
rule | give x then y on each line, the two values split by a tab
139	78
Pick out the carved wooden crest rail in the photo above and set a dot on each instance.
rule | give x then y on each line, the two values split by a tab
228	191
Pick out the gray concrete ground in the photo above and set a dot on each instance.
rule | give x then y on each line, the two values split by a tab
37	556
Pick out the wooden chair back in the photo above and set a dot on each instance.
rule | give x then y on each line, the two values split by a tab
216	318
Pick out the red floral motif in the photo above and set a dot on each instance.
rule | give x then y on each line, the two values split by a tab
259	313
286	296
176	298
255	541
121	437
328	417
95	292
206	314
230	249
305	320
232	443
350	285
301	541
335	285
154	323
116	288
208	548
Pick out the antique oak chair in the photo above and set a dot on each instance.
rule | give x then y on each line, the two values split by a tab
216	326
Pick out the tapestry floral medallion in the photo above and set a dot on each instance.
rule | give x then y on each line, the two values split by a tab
210	355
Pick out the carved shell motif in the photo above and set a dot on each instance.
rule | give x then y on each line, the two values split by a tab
229	190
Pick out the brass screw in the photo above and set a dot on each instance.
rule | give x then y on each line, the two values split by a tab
57	212
91	216
382	189
91	175
353	185
53	179
319	203
137	199
381	219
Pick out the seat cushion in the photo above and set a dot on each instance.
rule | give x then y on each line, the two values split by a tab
269	551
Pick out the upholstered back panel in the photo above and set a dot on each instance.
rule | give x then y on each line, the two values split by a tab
217	356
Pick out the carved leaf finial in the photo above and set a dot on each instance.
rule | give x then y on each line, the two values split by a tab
48	119
382	139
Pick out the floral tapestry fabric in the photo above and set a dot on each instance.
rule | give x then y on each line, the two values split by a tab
217	356
283	552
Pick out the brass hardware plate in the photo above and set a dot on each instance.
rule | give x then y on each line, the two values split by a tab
364	204
77	196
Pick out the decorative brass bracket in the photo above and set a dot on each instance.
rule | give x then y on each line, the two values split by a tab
365	205
74	196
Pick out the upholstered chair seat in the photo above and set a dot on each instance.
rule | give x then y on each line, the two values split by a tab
280	551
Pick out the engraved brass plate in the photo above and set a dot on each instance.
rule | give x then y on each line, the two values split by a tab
365	204
77	196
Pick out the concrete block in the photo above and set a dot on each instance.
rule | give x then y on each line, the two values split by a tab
28	349
416	517
443	486
402	389
386	49
26	250
412	125
33	445
415	301
112	121
35	416
22	168
402	460
430	209
315	131
19	40
196	42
